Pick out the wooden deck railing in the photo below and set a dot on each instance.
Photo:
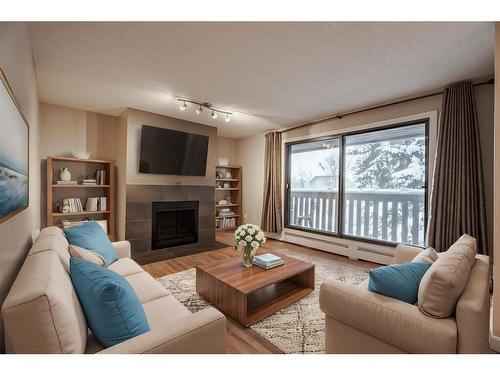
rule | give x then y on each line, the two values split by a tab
389	215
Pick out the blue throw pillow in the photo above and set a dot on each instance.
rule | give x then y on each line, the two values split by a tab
398	281
111	307
91	236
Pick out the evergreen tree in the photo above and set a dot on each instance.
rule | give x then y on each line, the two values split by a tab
393	164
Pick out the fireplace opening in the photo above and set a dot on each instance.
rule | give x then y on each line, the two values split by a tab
174	224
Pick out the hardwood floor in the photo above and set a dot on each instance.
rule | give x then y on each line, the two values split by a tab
240	340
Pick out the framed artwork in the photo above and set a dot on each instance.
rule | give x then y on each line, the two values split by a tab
14	154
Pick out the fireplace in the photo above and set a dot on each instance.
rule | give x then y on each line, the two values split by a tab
174	224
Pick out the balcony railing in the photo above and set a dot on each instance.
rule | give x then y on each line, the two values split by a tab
387	215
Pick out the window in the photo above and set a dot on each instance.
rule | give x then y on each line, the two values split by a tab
374	181
314	184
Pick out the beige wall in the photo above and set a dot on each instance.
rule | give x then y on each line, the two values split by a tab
226	148
496	203
62	131
16	62
67	130
138	118
250	151
121	176
250	156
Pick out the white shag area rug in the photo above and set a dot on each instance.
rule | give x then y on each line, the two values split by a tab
296	329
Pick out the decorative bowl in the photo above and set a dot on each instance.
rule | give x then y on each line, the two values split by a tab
223	161
81	154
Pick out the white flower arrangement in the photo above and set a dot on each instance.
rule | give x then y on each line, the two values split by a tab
249	236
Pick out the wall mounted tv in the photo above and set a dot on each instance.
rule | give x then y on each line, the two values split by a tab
165	151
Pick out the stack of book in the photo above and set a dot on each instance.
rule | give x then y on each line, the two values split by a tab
66	182
225	212
89	181
69	223
268	261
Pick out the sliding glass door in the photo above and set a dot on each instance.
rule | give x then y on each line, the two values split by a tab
375	181
313	185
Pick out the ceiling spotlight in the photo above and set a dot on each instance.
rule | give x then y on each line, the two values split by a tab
199	110
214	114
183	106
227	119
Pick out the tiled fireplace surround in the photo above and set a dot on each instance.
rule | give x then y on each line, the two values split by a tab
139	211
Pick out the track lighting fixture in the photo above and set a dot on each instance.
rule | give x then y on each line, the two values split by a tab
214	112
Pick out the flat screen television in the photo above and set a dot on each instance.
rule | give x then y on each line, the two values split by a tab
165	151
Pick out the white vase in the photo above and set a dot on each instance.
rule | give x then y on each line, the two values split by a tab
65	175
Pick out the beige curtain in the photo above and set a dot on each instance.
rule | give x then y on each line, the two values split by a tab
457	198
272	217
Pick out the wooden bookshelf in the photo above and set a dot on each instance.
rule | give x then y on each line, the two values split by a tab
80	168
233	190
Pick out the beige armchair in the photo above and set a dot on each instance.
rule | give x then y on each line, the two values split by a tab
359	321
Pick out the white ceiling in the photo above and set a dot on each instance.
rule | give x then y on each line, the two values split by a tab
271	75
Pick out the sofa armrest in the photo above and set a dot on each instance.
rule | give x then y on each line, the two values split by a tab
405	253
390	320
122	249
200	333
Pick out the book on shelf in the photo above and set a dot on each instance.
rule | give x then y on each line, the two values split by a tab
102	204
66	182
89	181
100	177
226	222
74	204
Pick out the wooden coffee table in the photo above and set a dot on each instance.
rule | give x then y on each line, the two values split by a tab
252	294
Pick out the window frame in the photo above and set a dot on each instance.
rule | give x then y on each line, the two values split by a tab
340	207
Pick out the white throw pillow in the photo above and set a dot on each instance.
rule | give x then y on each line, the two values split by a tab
428	256
445	280
88	255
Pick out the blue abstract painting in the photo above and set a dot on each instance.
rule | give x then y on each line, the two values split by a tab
14	142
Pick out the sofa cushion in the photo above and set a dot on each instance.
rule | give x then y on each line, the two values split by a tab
113	311
42	313
158	309
54	241
443	283
88	255
146	288
428	256
91	236
125	267
398	281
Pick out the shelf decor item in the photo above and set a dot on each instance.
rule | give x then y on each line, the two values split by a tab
223	162
14	140
248	238
65	174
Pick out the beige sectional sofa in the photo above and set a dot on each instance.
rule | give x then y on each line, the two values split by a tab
359	321
42	313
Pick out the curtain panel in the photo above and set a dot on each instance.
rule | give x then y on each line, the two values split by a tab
457	197
272	215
